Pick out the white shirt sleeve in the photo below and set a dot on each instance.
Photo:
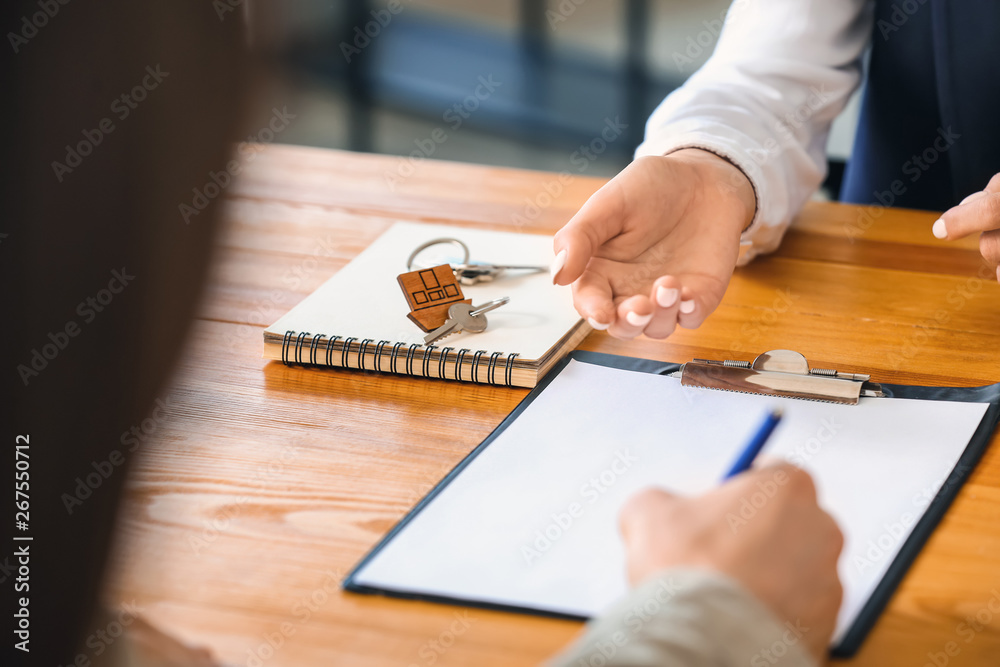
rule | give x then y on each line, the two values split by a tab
781	72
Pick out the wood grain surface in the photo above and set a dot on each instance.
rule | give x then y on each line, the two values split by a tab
261	485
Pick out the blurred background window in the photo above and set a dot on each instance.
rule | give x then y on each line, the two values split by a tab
515	83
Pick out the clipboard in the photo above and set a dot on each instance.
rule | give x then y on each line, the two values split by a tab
865	619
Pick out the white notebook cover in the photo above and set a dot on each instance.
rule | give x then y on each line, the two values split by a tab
364	300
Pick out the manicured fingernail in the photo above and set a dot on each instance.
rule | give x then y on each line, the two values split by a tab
974	196
557	264
687	306
666	296
637	320
998	274
600	326
939	230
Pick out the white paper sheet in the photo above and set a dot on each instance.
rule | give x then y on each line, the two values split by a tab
532	520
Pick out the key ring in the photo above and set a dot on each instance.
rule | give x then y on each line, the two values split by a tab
441	241
468	272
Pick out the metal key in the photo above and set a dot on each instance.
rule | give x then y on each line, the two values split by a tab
463	317
467	271
470	274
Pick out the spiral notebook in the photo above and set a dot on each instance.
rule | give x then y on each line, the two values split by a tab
357	319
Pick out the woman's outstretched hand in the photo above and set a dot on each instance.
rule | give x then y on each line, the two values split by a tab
656	246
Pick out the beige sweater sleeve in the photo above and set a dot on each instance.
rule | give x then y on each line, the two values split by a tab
689	618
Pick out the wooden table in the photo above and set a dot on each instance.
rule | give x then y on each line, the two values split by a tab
267	483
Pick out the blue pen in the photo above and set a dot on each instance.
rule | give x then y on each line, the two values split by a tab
756	444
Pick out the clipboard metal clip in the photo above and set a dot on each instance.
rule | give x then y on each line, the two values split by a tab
784	373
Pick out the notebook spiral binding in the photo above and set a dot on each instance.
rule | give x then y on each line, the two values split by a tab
293	344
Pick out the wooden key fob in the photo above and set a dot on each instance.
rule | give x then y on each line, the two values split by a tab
429	293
